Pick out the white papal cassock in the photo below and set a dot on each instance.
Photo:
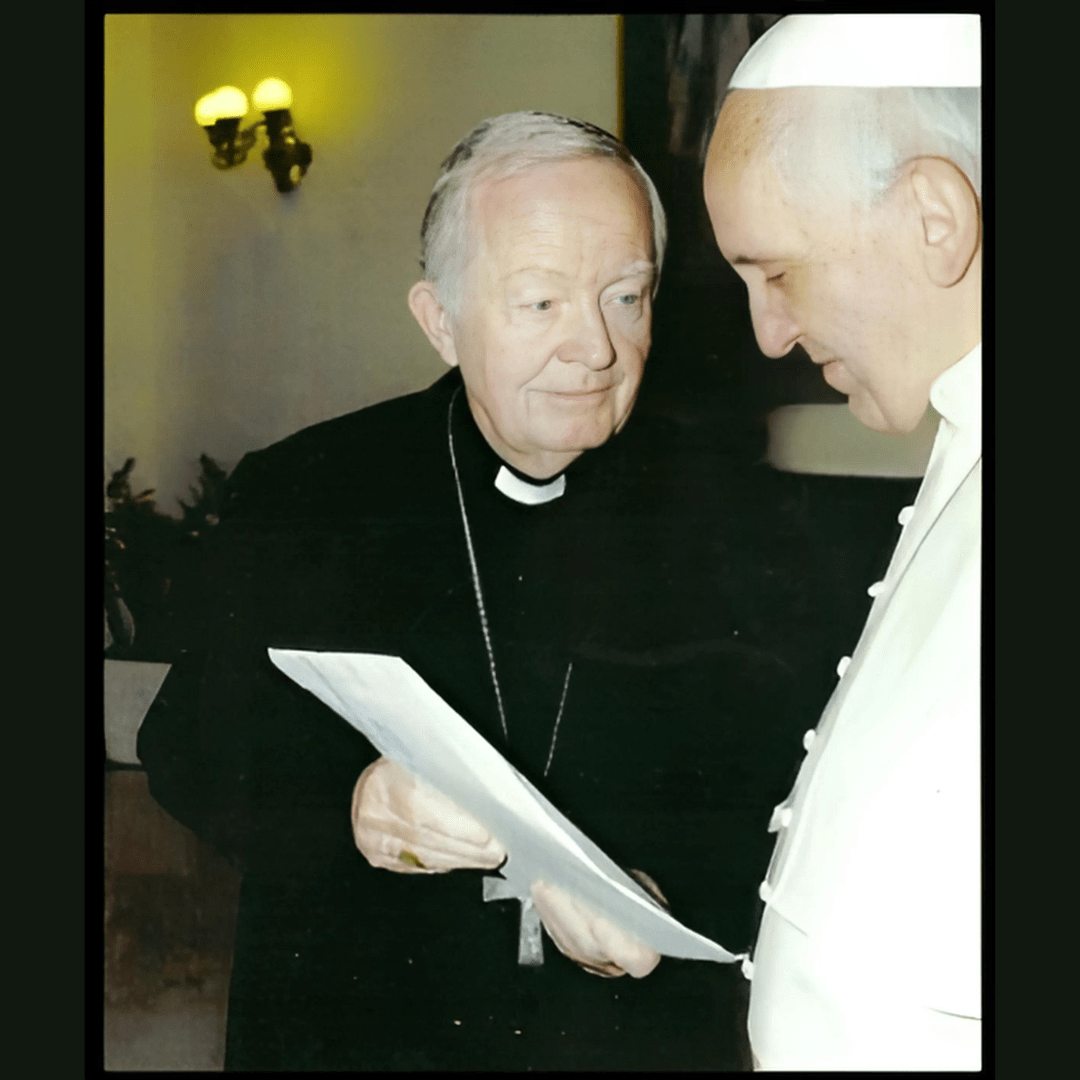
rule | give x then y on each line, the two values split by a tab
868	956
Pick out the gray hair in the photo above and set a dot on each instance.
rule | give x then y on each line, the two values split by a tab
501	147
832	141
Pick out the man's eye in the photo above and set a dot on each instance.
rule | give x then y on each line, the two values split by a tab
775	278
541	305
628	299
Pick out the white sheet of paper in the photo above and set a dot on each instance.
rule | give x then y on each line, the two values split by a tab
389	703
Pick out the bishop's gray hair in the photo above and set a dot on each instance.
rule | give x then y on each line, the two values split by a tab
854	142
501	147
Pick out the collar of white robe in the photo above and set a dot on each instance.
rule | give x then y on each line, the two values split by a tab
521	491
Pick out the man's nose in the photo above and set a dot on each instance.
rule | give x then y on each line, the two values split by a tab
775	330
588	341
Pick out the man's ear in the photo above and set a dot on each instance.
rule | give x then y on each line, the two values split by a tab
950	219
434	320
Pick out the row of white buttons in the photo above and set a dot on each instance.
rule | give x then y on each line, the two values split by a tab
875	590
878	587
782	815
781	819
903	517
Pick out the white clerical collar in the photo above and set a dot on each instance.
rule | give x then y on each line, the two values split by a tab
523	491
957	393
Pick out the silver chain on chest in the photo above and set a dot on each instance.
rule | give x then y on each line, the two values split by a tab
484	625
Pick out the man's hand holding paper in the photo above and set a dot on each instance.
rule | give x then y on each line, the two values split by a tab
596	943
401	715
402	824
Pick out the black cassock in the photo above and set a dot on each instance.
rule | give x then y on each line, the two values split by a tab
680	731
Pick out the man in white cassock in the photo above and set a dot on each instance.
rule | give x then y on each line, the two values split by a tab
843	185
595	602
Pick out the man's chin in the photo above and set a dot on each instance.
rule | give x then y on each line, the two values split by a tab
580	442
570	448
867	412
586	433
870	415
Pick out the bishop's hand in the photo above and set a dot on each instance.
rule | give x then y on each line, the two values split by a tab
402	824
589	939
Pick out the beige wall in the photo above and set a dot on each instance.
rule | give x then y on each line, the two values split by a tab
235	315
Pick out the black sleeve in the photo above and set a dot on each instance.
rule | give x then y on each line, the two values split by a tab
232	748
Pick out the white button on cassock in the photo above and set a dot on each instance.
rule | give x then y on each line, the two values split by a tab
748	968
781	815
764	891
842	666
808	738
876	588
905	515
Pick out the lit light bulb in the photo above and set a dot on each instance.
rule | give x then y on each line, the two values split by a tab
206	110
231	102
226	102
272	94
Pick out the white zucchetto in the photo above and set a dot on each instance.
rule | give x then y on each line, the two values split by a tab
864	50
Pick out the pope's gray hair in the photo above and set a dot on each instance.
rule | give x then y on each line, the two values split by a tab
501	147
854	142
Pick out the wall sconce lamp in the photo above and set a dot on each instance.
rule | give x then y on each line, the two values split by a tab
220	113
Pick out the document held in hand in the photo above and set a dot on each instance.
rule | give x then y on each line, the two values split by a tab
388	702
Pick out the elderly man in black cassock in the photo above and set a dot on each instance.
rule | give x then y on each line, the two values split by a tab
593	598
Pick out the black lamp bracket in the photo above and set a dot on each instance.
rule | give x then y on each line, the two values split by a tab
286	157
231	145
